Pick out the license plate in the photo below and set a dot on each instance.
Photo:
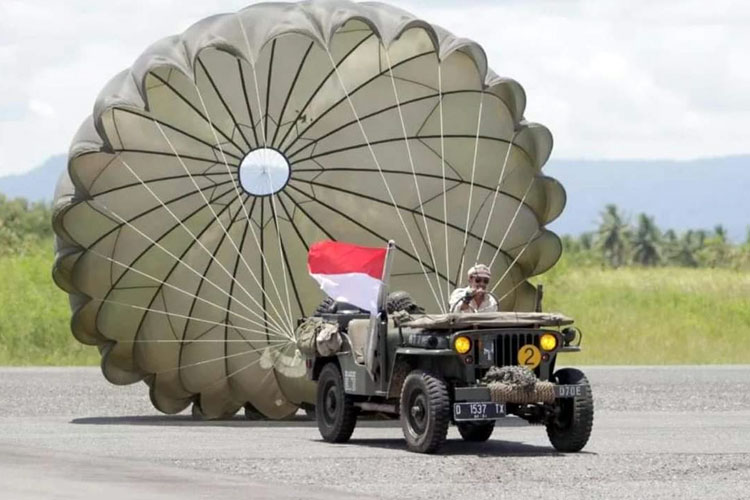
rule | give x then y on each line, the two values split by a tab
478	411
568	391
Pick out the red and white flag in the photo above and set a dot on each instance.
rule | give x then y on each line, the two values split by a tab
348	273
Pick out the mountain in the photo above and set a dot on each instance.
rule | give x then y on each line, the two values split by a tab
680	194
37	184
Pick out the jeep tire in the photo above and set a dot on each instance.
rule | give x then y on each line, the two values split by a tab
425	411
335	410
401	301
476	432
569	431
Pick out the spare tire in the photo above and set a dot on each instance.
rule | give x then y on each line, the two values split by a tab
402	301
330	306
399	300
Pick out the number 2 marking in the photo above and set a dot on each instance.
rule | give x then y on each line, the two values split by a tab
530	356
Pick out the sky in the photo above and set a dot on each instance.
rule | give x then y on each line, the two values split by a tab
628	79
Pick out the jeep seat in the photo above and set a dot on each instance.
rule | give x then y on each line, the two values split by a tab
358	331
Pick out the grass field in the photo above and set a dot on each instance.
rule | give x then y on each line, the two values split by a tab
654	315
34	315
628	316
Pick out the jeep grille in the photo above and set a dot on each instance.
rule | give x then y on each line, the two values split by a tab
507	346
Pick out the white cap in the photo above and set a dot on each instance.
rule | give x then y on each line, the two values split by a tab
480	270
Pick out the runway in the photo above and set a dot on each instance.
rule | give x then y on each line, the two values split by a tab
659	432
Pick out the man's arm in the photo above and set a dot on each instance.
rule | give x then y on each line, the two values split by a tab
458	302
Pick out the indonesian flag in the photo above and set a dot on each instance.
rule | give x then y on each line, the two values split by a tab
348	273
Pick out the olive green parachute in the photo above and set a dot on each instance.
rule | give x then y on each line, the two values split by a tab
206	170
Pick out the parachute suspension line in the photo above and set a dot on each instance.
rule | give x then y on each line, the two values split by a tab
385	181
271	349
471	188
442	166
414	175
517	257
221	358
177	259
208	204
494	198
247	216
195	238
513	220
203	341
274	349
281	250
515	287
177	315
264	133
277	332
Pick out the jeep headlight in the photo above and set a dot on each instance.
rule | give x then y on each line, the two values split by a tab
427	341
548	342
462	344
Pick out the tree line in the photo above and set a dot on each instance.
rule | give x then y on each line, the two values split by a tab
618	242
23	225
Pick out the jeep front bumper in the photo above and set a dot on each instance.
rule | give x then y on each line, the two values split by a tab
544	392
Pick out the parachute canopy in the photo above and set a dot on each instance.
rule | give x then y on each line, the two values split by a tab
208	168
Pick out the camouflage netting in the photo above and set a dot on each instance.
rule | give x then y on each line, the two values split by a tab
517	384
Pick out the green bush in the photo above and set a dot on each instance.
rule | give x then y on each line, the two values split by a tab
35	318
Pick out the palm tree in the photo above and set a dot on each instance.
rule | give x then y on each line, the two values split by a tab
716	251
699	237
720	233
570	244
670	246
587	240
612	236
687	248
646	242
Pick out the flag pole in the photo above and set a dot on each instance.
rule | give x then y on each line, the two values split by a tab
373	337
386	275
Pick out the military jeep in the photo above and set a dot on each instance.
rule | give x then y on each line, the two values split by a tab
430	371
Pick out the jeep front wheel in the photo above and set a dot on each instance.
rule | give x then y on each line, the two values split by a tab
569	431
425	411
476	432
335	410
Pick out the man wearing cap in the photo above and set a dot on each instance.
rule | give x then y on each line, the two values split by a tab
475	297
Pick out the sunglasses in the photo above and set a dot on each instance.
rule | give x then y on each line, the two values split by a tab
481	281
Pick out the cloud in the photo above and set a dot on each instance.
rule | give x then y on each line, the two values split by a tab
41	108
611	79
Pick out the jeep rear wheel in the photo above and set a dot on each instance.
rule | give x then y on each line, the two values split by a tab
571	427
476	432
335	410
425	411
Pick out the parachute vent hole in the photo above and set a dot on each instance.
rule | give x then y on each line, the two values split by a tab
264	171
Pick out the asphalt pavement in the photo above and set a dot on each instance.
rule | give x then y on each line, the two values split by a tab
659	432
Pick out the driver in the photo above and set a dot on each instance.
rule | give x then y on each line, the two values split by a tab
475	297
